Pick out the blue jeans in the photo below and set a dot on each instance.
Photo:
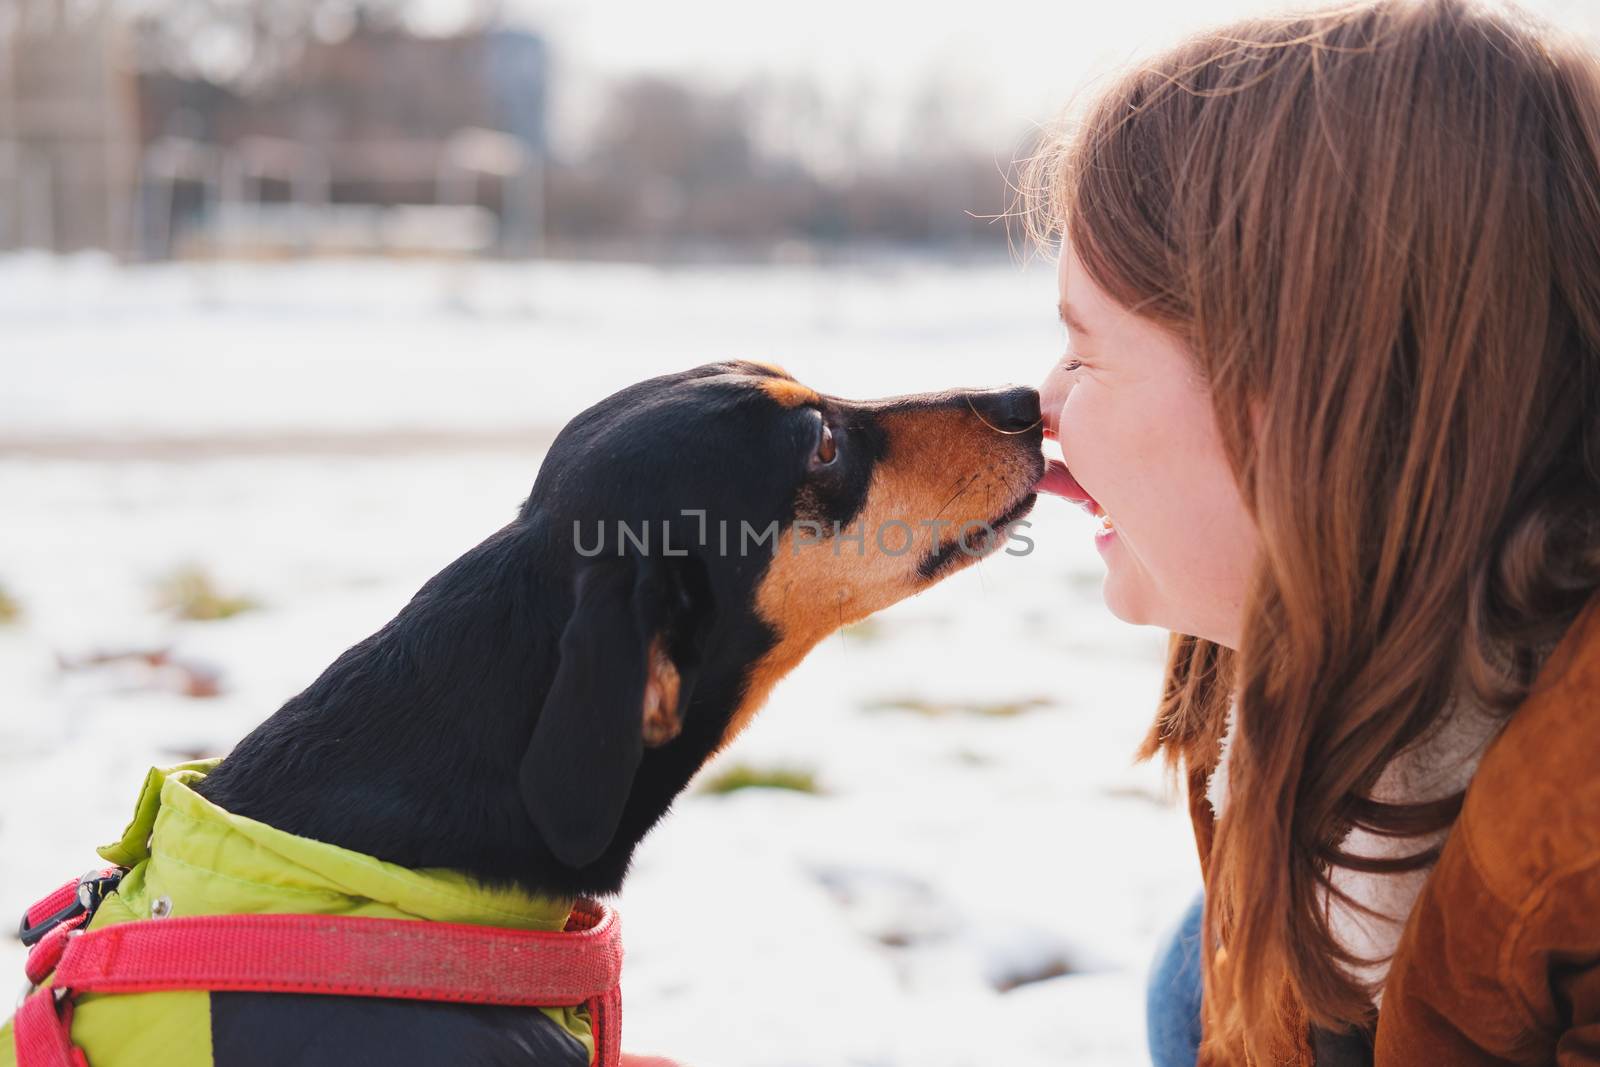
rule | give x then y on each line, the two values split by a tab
1172	999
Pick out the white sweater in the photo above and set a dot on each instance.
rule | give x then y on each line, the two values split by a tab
1437	765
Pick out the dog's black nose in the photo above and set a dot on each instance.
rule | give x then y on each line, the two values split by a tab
1010	409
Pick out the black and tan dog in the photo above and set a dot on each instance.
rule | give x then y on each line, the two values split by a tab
538	705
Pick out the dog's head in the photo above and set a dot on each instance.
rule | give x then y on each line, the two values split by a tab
704	531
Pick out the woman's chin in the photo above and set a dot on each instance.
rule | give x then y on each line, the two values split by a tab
1126	598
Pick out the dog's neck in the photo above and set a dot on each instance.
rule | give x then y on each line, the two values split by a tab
407	747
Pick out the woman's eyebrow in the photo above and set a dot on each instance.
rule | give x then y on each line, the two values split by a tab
1071	318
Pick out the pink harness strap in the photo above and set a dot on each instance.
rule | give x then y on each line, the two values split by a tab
398	958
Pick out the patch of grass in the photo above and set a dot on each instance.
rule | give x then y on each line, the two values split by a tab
190	593
191	752
152	669
10	610
1086	582
1133	792
868	631
1039	971
934	709
744	776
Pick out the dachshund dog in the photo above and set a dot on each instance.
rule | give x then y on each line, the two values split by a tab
540	702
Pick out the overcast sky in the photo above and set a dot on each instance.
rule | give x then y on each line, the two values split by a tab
1016	62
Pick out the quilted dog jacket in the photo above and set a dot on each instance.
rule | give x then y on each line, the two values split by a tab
186	856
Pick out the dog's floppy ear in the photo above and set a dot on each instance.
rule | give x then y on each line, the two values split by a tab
578	770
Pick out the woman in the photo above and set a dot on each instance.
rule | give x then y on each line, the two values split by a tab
1332	290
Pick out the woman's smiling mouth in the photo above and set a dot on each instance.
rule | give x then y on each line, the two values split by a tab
1057	480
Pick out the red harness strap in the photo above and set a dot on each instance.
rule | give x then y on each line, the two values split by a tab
397	958
45	926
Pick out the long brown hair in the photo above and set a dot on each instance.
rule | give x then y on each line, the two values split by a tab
1377	228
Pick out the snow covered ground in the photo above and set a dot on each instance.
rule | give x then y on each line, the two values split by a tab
323	437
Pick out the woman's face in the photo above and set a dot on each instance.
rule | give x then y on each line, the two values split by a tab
1134	422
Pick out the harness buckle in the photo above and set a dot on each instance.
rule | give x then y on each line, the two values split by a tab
92	889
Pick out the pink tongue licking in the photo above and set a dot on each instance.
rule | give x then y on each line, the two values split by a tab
1058	481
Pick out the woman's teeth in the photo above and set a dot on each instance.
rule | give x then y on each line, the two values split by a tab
1058	479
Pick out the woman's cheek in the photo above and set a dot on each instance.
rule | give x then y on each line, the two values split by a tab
1083	438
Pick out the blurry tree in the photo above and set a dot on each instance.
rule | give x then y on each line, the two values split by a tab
670	166
675	167
669	130
671	160
248	42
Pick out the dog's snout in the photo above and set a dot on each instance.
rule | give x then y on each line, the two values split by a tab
1011	409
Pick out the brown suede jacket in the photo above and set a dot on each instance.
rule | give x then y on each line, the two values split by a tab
1499	962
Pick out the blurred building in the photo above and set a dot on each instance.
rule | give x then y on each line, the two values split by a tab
68	128
382	141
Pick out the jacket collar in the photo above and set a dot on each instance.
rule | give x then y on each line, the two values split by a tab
207	861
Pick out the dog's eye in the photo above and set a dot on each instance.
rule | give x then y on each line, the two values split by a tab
826	448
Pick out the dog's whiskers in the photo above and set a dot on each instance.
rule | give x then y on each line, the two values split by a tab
962	483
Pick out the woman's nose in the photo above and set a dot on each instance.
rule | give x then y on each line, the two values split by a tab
1011	409
1052	395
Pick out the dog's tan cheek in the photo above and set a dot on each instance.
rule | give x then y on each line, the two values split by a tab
934	470
660	722
804	598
